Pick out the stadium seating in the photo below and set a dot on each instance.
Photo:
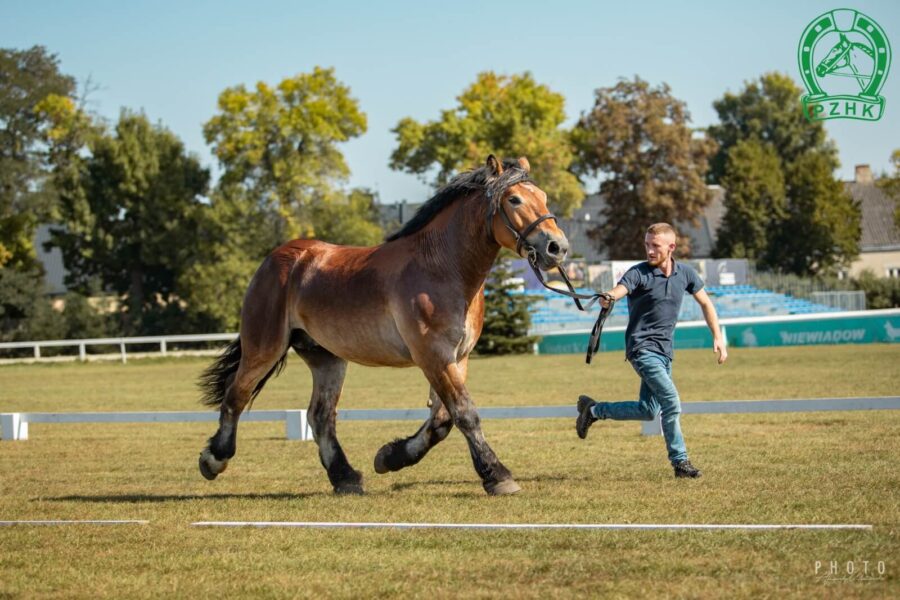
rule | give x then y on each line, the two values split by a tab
554	312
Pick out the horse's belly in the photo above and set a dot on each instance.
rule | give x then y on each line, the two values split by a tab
377	345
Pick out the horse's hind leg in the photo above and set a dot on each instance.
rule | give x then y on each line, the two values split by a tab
401	453
328	373
255	367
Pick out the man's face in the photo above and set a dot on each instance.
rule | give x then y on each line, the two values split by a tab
659	248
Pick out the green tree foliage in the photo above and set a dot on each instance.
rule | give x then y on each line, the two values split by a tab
507	116
235	233
27	77
768	110
21	297
891	185
130	217
881	292
638	140
351	219
819	227
823	226
506	315
280	145
755	202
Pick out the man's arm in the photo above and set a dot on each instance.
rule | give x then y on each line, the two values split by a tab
618	292
712	320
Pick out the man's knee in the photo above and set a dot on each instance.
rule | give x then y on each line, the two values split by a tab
671	410
649	413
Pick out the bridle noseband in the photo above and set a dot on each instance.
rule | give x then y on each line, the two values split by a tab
521	241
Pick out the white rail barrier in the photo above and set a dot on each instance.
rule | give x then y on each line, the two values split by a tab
14	426
162	341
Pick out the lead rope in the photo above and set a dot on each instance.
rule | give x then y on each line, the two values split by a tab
597	330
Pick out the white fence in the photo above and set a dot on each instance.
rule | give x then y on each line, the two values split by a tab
14	426
162	341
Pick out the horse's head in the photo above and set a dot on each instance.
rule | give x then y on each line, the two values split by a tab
835	57
519	218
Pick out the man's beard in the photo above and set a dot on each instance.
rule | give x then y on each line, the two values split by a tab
659	261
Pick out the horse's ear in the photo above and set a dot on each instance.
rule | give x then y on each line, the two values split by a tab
524	164
494	166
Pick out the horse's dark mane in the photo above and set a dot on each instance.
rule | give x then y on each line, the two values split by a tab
460	186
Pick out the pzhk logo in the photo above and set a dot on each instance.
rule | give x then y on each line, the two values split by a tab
847	53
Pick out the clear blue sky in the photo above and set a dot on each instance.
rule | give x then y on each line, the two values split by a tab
412	58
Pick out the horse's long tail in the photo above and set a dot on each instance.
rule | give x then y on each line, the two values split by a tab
218	376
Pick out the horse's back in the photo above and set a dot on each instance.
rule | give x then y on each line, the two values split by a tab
338	295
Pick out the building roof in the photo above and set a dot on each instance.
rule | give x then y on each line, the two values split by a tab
879	232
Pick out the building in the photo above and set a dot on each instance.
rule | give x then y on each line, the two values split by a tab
880	241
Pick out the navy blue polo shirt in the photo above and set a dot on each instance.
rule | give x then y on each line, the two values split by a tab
654	302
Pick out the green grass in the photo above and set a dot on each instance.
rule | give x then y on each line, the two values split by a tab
837	467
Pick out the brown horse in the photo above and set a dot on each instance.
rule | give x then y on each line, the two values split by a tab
417	299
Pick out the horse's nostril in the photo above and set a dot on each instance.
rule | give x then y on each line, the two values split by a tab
553	248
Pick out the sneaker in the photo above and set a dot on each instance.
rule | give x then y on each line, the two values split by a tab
684	468
585	417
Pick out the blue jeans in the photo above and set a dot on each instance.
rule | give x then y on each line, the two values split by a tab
658	396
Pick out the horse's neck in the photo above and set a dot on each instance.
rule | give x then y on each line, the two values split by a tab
457	244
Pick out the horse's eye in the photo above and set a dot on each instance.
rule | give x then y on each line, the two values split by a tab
515	200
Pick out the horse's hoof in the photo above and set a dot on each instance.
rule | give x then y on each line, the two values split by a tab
210	467
502	488
381	460
349	489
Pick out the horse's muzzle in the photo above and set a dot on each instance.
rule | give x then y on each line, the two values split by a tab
549	250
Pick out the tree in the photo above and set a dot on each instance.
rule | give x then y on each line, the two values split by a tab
506	314
234	235
279	145
350	219
27	77
763	137
754	202
129	212
637	138
823	226
21	296
891	186
767	110
507	116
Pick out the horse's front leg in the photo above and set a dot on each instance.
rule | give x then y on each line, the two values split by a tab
406	452
448	380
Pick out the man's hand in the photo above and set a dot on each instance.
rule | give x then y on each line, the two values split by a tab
617	293
719	348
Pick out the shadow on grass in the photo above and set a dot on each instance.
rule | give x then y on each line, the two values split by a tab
534	478
138	498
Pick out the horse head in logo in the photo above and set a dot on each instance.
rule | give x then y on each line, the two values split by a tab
841	56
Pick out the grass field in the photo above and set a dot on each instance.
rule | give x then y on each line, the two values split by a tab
838	467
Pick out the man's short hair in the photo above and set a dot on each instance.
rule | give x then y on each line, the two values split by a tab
659	228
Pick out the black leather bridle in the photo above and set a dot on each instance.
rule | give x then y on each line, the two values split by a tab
521	242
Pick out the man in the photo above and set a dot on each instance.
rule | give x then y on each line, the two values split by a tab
655	289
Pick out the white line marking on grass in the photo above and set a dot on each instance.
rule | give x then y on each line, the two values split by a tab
314	524
61	522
